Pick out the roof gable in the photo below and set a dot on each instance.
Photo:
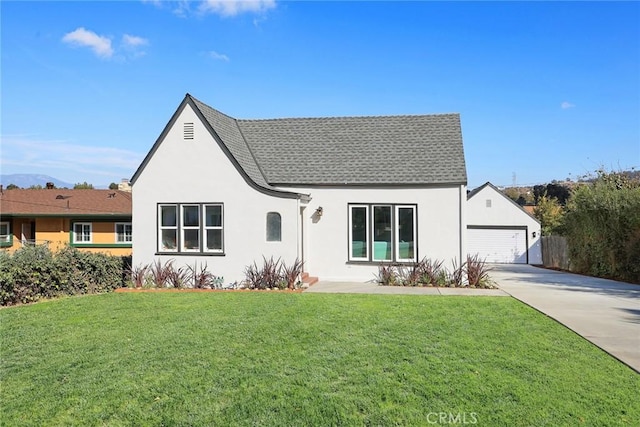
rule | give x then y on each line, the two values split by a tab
63	202
493	188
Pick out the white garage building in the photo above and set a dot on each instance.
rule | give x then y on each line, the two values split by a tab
499	230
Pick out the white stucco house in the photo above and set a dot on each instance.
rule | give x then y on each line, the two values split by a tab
343	194
499	230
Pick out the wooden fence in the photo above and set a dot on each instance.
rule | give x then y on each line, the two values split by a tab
555	252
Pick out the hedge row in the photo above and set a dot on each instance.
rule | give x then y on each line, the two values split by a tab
602	226
32	273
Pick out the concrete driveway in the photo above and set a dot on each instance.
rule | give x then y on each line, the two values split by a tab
605	312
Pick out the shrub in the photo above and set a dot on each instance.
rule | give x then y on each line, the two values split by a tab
477	272
177	277
456	278
273	274
34	272
159	273
602	226
432	273
387	275
201	278
138	275
291	274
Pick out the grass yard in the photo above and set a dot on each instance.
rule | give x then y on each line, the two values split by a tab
190	359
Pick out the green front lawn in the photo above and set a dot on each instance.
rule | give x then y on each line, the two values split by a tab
284	359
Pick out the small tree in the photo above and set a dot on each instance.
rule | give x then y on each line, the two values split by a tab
12	187
550	214
83	186
113	186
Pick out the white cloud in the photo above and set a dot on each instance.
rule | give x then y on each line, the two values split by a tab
134	41
235	7
100	45
66	161
218	56
566	105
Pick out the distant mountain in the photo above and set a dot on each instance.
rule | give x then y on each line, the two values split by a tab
28	179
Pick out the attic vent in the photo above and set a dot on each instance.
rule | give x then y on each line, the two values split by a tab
188	131
488	203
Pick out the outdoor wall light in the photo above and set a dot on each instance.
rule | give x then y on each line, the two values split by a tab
319	211
534	234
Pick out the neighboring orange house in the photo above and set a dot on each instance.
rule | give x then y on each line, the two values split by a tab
91	220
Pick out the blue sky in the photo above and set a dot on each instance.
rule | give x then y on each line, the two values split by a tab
545	90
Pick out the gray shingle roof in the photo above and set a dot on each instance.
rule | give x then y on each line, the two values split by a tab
384	150
227	129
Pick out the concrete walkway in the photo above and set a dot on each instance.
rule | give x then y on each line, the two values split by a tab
374	288
605	312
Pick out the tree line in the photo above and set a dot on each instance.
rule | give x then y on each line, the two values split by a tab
600	218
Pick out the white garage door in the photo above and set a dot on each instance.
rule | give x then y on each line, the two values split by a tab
506	246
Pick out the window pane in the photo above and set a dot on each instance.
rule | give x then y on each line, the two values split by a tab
4	229
169	240
214	239
192	239
191	216
213	216
123	233
382	233
359	232
406	227
82	232
168	216
274	227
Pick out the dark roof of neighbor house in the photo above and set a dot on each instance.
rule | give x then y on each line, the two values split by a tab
63	202
353	151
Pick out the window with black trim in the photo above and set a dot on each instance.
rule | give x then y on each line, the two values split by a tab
190	227
382	232
274	227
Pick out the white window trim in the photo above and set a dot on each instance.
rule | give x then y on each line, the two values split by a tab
397	232
167	227
5	238
75	235
124	233
367	233
205	227
184	228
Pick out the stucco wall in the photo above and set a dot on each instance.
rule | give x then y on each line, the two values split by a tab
504	213
326	241
198	171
